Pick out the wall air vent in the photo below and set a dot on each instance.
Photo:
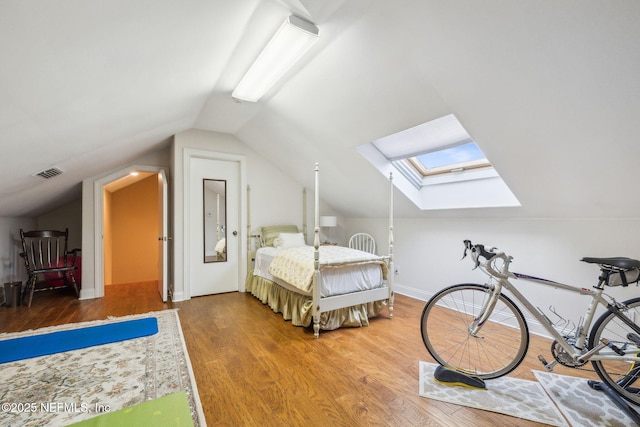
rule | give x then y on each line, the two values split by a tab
49	173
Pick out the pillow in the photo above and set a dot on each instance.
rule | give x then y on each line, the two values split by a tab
269	233
221	246
289	240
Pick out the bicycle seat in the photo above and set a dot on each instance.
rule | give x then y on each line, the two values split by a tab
619	262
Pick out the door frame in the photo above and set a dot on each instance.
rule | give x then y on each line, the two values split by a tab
191	153
98	216
163	231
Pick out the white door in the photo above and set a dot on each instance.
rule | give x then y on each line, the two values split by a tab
162	234
214	267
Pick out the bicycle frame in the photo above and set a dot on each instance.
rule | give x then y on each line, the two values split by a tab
501	280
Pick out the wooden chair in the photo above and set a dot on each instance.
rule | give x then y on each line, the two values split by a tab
46	256
363	242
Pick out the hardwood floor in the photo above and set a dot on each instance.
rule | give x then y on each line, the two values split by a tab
253	368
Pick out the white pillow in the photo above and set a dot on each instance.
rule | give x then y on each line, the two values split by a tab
289	240
221	246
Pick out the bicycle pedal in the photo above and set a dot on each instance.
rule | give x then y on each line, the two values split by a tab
548	366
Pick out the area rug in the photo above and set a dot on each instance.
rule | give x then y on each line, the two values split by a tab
64	388
510	396
582	405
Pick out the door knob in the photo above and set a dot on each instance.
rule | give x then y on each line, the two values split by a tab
235	233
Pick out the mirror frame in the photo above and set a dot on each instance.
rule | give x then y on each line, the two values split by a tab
220	225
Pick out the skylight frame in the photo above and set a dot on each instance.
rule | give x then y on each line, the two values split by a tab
440	135
457	185
450	158
450	168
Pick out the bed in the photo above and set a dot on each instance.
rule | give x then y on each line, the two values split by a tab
324	286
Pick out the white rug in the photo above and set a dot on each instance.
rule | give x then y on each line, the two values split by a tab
582	405
68	387
509	396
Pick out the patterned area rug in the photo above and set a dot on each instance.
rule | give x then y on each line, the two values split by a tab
509	396
582	405
65	388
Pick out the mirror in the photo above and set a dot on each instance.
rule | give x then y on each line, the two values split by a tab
215	220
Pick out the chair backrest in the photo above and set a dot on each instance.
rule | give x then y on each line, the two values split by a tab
44	249
363	242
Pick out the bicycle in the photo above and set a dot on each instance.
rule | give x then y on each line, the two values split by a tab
487	336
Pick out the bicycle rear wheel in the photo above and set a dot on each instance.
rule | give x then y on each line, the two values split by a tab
496	350
619	375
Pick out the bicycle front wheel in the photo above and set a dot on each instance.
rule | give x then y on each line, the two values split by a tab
497	349
619	375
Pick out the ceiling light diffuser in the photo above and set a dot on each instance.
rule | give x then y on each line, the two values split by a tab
294	37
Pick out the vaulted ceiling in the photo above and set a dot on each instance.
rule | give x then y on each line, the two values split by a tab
548	89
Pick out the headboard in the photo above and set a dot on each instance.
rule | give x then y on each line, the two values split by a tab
269	233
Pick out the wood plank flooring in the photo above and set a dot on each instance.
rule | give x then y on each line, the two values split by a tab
253	368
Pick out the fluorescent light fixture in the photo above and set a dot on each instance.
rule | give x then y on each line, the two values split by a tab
286	47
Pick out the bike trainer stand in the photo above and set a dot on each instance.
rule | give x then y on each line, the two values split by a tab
615	398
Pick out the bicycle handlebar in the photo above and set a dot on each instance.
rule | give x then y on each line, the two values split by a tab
490	255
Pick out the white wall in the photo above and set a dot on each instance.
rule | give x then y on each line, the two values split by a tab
67	216
427	253
11	267
274	197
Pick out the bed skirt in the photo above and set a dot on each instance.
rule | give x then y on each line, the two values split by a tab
297	307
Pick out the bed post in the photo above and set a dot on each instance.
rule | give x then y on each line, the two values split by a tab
316	261
249	230
304	213
391	271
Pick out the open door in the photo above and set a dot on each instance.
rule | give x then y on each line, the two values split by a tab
162	235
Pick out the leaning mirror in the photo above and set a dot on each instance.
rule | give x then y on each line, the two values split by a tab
215	220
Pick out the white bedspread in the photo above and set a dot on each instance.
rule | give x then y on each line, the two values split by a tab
295	267
264	256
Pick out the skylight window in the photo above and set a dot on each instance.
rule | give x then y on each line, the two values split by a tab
459	158
441	166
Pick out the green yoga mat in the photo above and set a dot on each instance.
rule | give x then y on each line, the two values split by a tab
57	342
168	411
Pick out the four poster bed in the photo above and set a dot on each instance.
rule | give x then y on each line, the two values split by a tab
331	286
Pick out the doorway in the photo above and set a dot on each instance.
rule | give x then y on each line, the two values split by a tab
131	223
130	226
